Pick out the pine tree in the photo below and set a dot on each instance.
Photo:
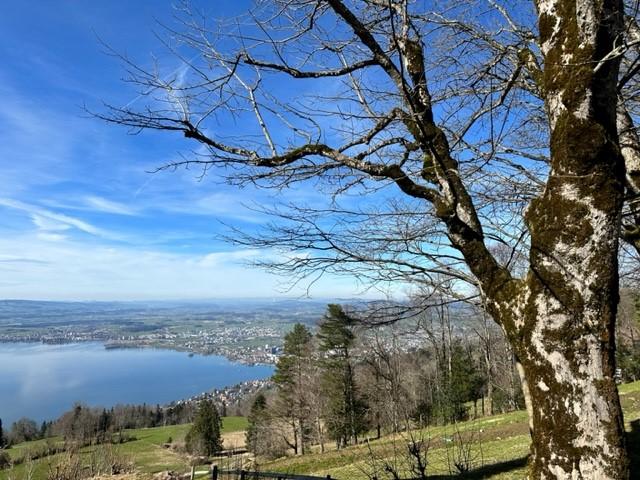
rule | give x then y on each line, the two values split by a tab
2	442
257	419
292	379
204	437
346	416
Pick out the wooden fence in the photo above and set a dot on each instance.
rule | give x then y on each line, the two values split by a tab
218	474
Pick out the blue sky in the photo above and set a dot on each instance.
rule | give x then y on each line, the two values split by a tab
82	219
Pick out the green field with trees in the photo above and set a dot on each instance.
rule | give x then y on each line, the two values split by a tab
493	447
490	447
146	450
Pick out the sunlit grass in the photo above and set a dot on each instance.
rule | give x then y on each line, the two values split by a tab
498	450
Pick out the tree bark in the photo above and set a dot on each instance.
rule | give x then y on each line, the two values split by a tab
563	322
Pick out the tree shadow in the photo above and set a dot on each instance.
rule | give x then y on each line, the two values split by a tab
487	470
633	441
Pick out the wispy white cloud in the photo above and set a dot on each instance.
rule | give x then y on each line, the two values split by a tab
219	258
51	237
44	223
16	259
68	270
104	205
47	220
35	141
222	205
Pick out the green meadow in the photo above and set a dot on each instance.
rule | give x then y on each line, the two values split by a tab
492	447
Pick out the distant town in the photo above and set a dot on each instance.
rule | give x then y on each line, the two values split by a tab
229	398
248	332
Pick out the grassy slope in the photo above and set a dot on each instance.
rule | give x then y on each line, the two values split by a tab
146	452
499	452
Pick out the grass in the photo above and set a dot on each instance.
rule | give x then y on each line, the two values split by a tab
19	450
147	451
495	439
498	451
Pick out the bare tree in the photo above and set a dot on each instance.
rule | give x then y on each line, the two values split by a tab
382	381
466	124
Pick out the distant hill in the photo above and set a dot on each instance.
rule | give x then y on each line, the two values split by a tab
44	313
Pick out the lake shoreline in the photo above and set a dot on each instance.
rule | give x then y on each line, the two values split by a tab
120	345
41	381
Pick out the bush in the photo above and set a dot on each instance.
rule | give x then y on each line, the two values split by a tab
122	437
107	460
503	402
67	468
5	459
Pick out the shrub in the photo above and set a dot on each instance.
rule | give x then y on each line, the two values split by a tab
5	459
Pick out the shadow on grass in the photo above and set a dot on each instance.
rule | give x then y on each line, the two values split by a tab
633	442
487	471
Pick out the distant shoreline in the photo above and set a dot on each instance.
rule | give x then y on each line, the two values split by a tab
118	345
41	381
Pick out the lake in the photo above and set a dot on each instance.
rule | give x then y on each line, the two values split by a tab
43	381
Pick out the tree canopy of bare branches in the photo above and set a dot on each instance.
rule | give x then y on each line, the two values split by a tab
488	142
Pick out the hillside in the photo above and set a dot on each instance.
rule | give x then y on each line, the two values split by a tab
496	447
147	452
492	447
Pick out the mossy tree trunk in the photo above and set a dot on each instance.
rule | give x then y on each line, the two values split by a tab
560	318
562	321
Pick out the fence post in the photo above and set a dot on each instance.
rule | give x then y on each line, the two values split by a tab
214	472
242	475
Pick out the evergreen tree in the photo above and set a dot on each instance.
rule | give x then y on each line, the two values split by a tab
2	442
204	437
157	416
104	422
460	382
292	376
257	420
346	415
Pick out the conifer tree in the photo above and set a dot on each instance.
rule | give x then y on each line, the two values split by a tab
292	378
1	435
346	411
460	383
204	437
258	417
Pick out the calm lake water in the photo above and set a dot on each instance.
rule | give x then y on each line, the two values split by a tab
42	381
